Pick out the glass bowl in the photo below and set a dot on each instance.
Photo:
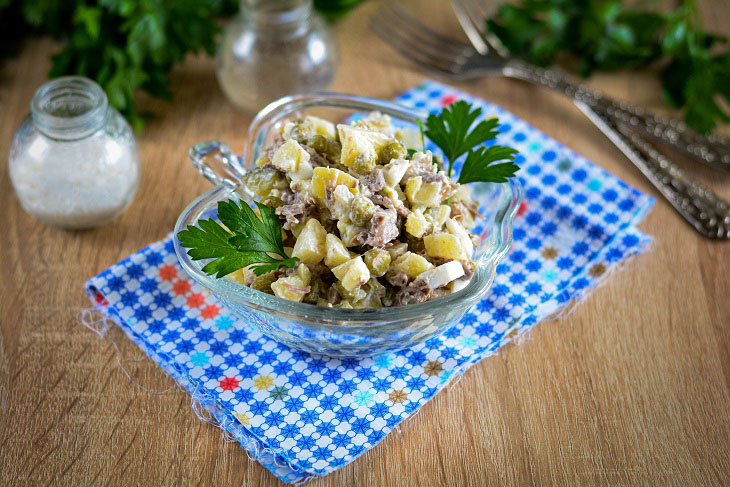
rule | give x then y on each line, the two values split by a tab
333	331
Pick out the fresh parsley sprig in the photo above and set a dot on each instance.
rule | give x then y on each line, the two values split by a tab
247	241
454	132
611	35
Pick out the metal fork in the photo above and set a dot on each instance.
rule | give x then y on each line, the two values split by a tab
704	210
464	62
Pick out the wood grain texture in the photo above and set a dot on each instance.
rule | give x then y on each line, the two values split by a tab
631	389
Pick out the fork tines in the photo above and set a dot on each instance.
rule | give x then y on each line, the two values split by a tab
410	37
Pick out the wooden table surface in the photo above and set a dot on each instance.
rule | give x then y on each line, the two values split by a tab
632	388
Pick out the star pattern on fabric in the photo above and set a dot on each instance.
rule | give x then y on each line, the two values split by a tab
263	383
433	368
397	396
229	384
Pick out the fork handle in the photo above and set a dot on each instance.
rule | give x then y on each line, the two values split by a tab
699	206
713	150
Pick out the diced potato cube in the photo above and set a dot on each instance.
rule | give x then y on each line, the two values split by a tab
454	228
344	304
336	253
238	276
416	224
310	244
291	158
437	216
352	273
378	261
321	126
304	273
322	177
291	288
358	142
349	231
393	171
425	194
412	264
443	245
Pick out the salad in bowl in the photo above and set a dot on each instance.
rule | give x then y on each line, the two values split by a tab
342	233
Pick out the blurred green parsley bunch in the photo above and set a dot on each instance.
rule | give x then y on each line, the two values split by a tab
125	45
606	35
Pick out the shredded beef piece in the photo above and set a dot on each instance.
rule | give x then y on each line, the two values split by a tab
319	270
386	202
297	211
315	158
382	228
397	278
373	182
333	297
416	292
287	196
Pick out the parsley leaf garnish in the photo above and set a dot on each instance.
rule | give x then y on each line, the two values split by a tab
453	133
479	166
247	241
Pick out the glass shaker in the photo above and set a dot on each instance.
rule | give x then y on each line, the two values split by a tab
274	48
74	161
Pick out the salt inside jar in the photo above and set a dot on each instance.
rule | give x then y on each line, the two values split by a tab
74	161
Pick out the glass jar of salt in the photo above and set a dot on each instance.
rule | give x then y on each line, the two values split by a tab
74	161
274	48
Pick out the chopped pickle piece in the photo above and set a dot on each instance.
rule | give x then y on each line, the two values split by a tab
397	249
412	264
310	244
263	282
444	246
263	180
352	273
378	261
323	177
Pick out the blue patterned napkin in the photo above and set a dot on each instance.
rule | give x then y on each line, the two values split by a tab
302	415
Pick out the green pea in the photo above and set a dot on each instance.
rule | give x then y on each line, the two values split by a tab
394	150
362	210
